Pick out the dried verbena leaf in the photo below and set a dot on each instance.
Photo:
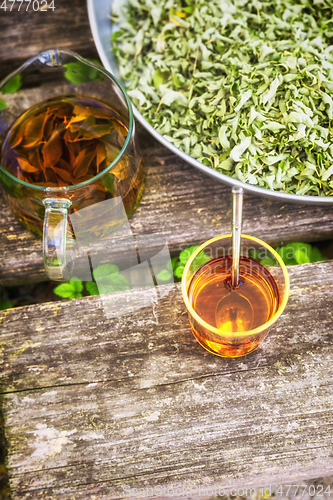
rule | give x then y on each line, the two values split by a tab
73	150
26	166
121	131
34	158
33	133
88	129
64	165
49	126
50	174
100	112
100	155
77	118
108	182
52	150
102	129
123	168
112	151
61	182
210	75
86	177
64	175
69	138
47	184
83	162
16	139
64	110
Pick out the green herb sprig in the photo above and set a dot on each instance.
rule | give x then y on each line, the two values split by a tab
107	279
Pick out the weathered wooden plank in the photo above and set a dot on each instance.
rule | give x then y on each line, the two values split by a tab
234	430
23	34
93	404
70	342
183	205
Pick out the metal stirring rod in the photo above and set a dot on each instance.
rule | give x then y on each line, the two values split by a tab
236	229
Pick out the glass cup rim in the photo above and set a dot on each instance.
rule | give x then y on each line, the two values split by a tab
64	189
247	333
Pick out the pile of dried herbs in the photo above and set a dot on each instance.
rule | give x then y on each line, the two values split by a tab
243	86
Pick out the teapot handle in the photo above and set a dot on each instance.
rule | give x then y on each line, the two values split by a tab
56	248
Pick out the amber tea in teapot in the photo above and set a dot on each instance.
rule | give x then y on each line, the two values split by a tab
73	149
63	141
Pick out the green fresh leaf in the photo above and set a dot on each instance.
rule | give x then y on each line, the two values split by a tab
92	288
199	260
113	283
288	256
295	253
268	262
260	255
76	284
109	279
3	105
6	304
173	263
316	255
65	291
178	272
79	72
96	61
164	275
255	254
302	256
70	290
104	270
13	85
291	254
186	254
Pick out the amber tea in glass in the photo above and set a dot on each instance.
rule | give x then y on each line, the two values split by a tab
233	321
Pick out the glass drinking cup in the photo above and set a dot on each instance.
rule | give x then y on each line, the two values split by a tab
228	343
45	210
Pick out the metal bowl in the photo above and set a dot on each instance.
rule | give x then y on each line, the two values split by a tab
101	27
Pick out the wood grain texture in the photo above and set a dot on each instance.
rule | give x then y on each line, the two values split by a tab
93	404
183	205
23	34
